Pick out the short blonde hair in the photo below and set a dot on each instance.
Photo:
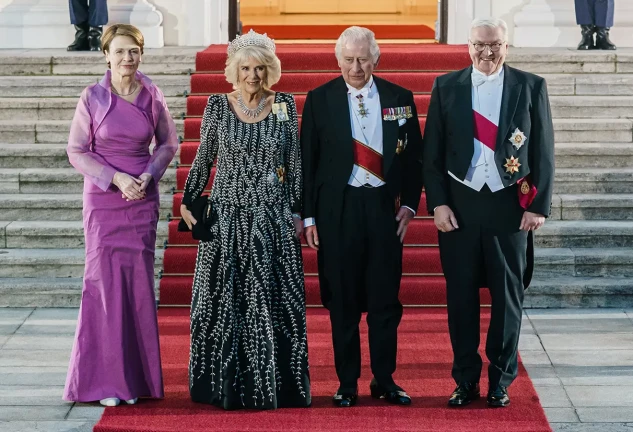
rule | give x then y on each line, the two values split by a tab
121	30
261	54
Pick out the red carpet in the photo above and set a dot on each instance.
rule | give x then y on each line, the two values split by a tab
329	31
305	67
424	365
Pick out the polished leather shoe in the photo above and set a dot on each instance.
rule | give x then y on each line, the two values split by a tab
345	400
587	43
464	393
602	39
498	397
395	396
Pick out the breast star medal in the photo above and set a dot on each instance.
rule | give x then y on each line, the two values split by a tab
362	111
281	111
518	138
512	165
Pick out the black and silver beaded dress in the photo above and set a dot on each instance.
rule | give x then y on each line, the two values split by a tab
248	324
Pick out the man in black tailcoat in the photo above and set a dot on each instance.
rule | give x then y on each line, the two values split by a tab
361	146
489	172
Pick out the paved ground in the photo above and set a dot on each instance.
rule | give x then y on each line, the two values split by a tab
581	362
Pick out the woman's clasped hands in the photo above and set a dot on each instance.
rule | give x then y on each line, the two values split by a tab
132	188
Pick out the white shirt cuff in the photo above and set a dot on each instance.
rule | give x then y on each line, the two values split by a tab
308	222
407	207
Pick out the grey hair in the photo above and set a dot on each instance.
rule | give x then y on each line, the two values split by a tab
358	34
491	23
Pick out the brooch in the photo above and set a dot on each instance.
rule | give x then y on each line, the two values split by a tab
518	138
397	113
512	165
281	174
281	111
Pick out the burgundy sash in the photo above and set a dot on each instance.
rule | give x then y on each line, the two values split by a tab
368	158
485	131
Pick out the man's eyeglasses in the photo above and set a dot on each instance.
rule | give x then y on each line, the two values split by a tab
494	47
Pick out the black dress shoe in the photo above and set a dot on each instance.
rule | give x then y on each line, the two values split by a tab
464	393
602	39
81	38
586	43
498	397
345	400
94	38
395	396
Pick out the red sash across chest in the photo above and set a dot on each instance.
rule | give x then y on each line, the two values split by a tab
485	131
368	159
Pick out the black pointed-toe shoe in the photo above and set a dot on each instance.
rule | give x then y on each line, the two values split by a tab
464	393
498	397
345	400
395	396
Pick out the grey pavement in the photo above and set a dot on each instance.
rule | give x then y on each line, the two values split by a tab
580	361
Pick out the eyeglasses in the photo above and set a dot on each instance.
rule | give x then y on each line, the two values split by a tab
494	47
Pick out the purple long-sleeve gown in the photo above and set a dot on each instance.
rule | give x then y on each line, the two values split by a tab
116	349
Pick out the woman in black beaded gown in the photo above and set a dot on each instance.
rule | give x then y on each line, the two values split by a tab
248	324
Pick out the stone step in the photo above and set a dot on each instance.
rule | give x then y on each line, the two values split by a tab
593	207
609	107
55	207
620	84
72	86
53	234
577	292
51	263
584	262
58	181
593	130
23	155
44	292
593	180
168	60
593	155
564	60
33	109
585	234
45	131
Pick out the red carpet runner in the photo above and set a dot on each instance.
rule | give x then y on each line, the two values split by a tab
330	31
304	68
424	366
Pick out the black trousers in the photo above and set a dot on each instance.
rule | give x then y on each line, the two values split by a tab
595	12
93	12
366	278
487	250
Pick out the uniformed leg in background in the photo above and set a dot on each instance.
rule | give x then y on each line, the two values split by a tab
97	18
79	18
603	13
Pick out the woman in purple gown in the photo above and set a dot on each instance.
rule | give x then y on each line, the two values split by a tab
116	351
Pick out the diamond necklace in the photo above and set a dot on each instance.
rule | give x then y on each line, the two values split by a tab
251	112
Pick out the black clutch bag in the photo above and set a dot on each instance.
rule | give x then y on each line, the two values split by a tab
202	211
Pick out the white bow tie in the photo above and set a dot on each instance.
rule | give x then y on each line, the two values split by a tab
478	79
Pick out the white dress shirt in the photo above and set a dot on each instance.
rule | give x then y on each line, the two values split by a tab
486	101
367	130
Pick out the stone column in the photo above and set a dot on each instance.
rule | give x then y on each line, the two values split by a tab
460	15
552	23
46	23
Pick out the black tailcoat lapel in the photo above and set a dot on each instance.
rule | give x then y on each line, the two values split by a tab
389	127
463	106
509	101
338	105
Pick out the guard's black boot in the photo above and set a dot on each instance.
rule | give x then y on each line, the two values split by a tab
94	38
587	32
602	39
81	38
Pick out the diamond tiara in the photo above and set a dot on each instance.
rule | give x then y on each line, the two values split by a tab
251	39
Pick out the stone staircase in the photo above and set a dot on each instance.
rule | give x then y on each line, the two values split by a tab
585	250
